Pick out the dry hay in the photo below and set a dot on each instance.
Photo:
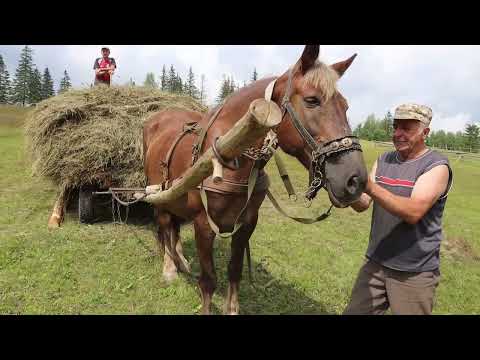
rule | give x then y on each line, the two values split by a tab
94	135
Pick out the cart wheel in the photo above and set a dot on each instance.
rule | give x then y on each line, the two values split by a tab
85	205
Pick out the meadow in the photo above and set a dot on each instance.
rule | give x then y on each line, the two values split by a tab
108	268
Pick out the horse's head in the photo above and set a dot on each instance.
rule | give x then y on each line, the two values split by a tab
315	128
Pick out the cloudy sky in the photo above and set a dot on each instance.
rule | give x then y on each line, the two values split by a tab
445	77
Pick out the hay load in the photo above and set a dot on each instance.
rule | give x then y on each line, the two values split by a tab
94	136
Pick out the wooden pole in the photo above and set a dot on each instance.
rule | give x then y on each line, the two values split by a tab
261	116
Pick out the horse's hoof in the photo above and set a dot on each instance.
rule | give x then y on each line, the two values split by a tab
229	311
170	277
53	224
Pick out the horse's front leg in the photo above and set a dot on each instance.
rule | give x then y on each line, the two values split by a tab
239	242
204	237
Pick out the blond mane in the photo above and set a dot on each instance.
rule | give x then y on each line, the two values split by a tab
322	77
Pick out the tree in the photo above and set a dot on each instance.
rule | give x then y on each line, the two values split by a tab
191	88
225	89
472	137
47	85
255	75
233	86
20	91
150	81
131	83
387	125
178	87
4	83
35	87
163	79
171	79
65	83
202	89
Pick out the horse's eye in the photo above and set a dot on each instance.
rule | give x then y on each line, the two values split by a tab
312	101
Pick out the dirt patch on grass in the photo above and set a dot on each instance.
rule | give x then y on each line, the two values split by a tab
459	248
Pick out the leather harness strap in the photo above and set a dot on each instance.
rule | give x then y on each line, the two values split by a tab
191	127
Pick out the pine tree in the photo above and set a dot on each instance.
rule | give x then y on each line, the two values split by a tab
202	89
171	79
8	86
65	83
47	85
35	87
225	89
233	86
163	79
255	75
150	81
472	137
4	83
192	90
387	124
178	85
20	90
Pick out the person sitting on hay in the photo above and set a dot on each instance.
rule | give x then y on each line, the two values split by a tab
104	68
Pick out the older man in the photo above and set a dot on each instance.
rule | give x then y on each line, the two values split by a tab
409	188
104	68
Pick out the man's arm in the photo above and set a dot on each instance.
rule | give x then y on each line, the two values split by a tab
365	200
96	67
427	190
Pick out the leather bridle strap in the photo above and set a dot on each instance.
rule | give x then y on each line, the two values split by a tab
287	106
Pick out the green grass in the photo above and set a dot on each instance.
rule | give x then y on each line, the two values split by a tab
108	268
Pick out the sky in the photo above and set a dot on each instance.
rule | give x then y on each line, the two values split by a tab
444	77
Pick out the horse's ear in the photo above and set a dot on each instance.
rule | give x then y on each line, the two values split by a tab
309	56
342	66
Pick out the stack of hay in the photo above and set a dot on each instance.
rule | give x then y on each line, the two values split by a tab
94	136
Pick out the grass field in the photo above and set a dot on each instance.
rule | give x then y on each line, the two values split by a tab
109	268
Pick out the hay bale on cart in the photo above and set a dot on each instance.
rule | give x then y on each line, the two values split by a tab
92	139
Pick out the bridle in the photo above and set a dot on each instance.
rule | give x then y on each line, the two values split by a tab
321	150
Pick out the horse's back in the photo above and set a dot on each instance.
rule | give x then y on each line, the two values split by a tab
159	133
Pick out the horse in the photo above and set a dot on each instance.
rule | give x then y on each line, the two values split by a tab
314	118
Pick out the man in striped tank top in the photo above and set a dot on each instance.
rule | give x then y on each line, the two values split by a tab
408	188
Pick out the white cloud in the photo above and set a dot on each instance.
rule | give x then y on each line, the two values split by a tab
451	123
381	77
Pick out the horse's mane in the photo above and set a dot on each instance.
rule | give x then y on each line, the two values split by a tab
323	77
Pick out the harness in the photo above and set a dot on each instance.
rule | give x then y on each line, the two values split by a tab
319	153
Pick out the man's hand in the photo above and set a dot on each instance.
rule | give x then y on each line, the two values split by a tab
365	200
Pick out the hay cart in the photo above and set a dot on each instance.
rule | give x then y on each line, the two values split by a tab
261	116
116	196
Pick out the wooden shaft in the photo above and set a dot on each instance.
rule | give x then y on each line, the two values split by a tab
217	176
261	116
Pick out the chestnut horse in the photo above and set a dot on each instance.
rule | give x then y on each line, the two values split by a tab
309	87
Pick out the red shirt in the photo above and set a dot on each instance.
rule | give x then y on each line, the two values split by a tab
102	63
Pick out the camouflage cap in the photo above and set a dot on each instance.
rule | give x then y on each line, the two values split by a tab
421	113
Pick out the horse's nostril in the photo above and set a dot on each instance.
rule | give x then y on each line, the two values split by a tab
353	184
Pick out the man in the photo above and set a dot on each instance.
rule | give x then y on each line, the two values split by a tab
104	68
409	190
